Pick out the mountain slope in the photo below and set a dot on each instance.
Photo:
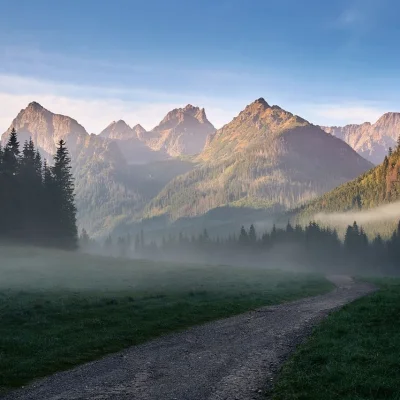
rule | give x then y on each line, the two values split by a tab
264	157
378	186
371	141
109	191
183	131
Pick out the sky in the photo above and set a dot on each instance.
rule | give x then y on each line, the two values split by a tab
331	62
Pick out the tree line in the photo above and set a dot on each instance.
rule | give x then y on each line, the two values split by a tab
37	202
306	247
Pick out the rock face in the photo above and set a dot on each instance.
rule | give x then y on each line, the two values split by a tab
372	141
118	130
183	131
132	144
264	157
46	129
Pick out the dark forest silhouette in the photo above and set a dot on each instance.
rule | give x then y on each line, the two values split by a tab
36	200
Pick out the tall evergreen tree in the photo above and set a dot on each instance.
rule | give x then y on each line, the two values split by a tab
243	237
63	199
31	190
252	234
11	154
12	209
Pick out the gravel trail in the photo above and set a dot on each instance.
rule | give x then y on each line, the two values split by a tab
233	358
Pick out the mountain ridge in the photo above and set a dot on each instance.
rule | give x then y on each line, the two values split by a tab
264	155
372	141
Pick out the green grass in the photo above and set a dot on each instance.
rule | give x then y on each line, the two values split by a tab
353	355
58	309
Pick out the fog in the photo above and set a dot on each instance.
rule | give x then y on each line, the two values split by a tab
385	213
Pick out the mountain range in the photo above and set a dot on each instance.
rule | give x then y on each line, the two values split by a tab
266	158
371	141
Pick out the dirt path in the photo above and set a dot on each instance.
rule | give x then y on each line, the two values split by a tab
234	358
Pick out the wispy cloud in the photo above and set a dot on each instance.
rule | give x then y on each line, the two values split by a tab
95	106
342	114
357	14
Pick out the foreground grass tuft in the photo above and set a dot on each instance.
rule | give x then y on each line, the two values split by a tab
58	310
353	355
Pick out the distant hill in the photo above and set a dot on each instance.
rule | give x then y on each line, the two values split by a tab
372	141
265	157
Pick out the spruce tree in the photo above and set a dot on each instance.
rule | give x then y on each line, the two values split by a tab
252	234
31	193
243	237
11	155
63	199
12	220
84	239
1	158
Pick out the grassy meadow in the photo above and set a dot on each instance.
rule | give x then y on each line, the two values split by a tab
353	355
60	309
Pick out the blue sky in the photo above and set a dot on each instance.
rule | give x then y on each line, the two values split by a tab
332	62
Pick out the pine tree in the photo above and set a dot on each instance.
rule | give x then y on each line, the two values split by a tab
1	158
12	220
252	234
390	151
11	155
243	238
2	184
31	193
63	197
108	244
84	239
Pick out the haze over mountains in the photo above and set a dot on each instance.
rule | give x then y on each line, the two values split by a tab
266	158
372	141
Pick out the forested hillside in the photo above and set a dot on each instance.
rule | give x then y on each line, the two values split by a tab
378	186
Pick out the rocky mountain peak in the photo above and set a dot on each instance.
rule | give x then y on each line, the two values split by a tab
139	129
183	131
118	130
33	105
389	119
256	107
371	141
46	129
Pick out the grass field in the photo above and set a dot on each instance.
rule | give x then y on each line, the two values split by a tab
60	309
353	355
